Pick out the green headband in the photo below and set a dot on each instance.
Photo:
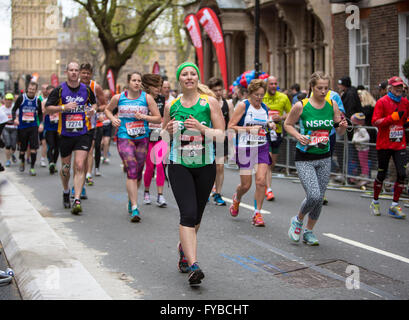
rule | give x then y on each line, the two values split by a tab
184	65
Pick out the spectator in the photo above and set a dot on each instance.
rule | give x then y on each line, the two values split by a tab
349	96
295	91
360	140
383	88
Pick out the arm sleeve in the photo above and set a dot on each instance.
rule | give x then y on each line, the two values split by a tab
16	106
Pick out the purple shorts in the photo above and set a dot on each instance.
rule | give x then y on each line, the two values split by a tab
133	154
247	158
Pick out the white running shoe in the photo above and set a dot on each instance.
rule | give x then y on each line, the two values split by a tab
161	202
97	172
43	162
147	198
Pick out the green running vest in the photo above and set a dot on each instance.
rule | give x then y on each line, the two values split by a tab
189	147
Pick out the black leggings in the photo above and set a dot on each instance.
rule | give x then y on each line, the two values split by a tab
400	160
53	146
191	188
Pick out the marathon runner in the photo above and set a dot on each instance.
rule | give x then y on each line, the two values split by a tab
73	100
316	117
250	120
43	144
52	136
133	106
222	149
390	117
106	133
29	118
279	107
193	121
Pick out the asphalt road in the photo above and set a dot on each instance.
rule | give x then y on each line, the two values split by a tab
240	261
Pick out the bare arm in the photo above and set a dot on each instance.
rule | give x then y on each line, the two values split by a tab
116	122
292	119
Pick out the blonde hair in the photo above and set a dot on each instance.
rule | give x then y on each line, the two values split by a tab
256	84
318	75
366	98
203	89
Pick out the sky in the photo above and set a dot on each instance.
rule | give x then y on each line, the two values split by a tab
5	20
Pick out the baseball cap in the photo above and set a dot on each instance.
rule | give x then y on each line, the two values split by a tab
383	84
345	81
9	96
395	81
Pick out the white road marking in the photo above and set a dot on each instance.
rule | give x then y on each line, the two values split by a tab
251	208
364	246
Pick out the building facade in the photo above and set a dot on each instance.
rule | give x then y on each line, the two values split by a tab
34	49
296	38
378	49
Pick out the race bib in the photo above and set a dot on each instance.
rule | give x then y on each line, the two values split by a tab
319	137
396	133
28	116
54	117
135	128
74	122
272	113
248	139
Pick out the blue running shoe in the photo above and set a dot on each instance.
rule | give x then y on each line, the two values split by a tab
135	217
196	275
72	193
396	212
8	163
84	194
217	200
129	207
309	238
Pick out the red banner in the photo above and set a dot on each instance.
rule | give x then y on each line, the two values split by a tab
194	31
156	68
111	81
54	80
210	23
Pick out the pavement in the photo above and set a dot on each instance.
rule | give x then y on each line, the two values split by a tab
35	253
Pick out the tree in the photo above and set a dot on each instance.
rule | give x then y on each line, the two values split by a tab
121	25
405	69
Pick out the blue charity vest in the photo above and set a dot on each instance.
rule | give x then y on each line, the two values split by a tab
28	116
130	127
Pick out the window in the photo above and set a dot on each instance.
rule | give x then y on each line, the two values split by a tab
359	55
403	41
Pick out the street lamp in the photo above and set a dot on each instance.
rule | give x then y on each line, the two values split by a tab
257	38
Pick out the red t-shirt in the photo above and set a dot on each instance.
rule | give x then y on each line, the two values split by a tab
391	133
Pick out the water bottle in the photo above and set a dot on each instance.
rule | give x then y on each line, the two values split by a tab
304	148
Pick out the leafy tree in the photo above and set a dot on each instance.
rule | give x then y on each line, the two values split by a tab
121	26
405	69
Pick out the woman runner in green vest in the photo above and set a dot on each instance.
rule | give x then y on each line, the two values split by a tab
317	116
192	122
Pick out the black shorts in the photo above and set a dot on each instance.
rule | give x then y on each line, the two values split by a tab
28	136
70	144
107	130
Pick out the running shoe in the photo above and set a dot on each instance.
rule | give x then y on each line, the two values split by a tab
258	220
129	207
234	208
8	163
22	167
309	238
295	229
325	201
89	181
33	172
269	195
97	172
135	217
217	200
161	202
106	161
43	163
147	198
76	207
51	168
13	158
183	266
375	209
196	275
66	200
84	194
396	212
1	168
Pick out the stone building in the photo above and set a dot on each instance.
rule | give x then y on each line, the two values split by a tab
34	48
296	38
377	50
